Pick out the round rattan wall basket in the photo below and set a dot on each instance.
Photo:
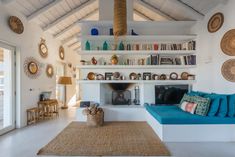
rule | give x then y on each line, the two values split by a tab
215	22
228	70
228	43
16	24
119	19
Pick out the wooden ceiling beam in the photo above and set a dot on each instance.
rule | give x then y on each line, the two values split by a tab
67	15
154	9
42	10
58	35
73	44
198	15
142	15
72	37
77	48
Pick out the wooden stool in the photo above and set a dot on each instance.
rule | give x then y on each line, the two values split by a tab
55	108
32	115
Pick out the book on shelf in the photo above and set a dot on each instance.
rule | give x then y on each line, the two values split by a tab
189	60
191	45
170	60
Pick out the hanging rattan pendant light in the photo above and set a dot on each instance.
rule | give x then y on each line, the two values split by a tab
120	19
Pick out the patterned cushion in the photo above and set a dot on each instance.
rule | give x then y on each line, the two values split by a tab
188	107
203	105
186	98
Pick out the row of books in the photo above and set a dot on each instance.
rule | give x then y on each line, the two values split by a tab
191	45
169	60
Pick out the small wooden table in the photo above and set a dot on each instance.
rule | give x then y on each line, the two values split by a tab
49	107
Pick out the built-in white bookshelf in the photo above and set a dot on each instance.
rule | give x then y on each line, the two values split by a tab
173	32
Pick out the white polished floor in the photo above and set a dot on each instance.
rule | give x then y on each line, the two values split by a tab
27	141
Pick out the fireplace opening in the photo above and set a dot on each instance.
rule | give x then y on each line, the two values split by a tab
121	97
120	93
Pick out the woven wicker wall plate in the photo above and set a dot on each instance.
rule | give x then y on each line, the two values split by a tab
16	25
50	71
215	22
228	70
32	67
228	43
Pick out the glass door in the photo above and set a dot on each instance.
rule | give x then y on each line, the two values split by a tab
7	88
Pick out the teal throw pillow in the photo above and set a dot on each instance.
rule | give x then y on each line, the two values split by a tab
231	105
214	106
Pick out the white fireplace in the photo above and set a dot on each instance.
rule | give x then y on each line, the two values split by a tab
111	93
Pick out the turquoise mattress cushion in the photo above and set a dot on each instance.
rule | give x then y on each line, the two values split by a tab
172	115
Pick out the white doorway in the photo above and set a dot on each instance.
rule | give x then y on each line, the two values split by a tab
7	88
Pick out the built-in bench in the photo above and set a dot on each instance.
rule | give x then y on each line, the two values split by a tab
174	125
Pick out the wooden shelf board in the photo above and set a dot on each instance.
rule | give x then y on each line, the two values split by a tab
155	38
139	81
138	52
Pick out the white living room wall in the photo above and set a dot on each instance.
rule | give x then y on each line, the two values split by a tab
27	44
210	55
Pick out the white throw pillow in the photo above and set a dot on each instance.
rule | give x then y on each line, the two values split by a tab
188	107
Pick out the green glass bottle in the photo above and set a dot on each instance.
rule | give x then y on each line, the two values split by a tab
105	46
121	46
88	46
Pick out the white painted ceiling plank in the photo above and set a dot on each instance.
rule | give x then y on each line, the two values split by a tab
151	14
189	9
70	13
43	10
136	17
142	15
6	2
27	6
75	24
77	48
75	36
73	44
154	9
